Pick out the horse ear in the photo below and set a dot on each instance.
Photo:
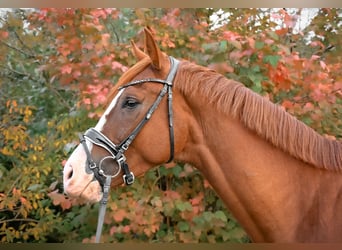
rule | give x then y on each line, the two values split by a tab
152	49
138	53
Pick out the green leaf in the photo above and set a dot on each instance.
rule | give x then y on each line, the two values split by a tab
257	87
256	69
271	59
163	171
209	46
223	46
35	187
207	216
259	45
176	170
237	233
221	215
307	120
225	236
198	221
183	206
183	226
273	35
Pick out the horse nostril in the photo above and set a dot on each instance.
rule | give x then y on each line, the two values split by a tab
68	172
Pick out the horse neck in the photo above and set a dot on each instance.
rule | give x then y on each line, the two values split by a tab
261	185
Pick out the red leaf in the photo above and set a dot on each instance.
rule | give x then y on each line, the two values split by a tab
4	34
290	20
105	39
323	66
281	32
207	184
338	86
64	50
112	230
119	215
116	65
126	229
314	57
197	200
231	36
66	69
287	104
172	194
317	43
308	107
59	199
251	42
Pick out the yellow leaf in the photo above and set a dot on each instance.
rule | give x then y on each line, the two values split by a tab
16	145
6	151
36	234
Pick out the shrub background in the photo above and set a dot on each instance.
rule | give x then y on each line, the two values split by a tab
56	68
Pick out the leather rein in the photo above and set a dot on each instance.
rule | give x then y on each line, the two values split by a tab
117	151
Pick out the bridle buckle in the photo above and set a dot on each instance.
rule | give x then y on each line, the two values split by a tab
92	165
129	178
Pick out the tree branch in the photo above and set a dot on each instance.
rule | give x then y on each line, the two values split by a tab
13	184
18	72
115	33
23	44
17	49
22	220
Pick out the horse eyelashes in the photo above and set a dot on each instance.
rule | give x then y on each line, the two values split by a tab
130	103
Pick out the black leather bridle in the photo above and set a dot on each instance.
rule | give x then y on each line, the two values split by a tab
116	152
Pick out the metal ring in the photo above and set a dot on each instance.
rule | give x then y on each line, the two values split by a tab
102	172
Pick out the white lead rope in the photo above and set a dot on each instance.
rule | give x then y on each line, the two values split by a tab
103	205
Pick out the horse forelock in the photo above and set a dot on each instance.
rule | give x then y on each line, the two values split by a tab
258	114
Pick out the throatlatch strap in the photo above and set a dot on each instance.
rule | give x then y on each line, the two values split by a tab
174	67
170	116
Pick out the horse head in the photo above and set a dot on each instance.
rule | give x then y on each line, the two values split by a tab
137	131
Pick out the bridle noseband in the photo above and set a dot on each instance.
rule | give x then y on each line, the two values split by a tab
116	152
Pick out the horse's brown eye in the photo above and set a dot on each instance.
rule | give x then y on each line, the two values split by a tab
130	103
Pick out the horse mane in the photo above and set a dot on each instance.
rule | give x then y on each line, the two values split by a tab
258	114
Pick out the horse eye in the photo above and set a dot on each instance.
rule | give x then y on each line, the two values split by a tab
130	103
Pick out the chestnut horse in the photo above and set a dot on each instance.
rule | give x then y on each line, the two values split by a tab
280	179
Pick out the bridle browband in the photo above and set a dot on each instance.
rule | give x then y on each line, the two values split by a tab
117	151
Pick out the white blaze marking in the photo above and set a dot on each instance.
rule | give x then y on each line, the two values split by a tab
99	126
74	184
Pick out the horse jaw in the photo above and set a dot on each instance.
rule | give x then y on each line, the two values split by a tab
77	182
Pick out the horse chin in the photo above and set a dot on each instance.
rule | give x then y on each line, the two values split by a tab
92	193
